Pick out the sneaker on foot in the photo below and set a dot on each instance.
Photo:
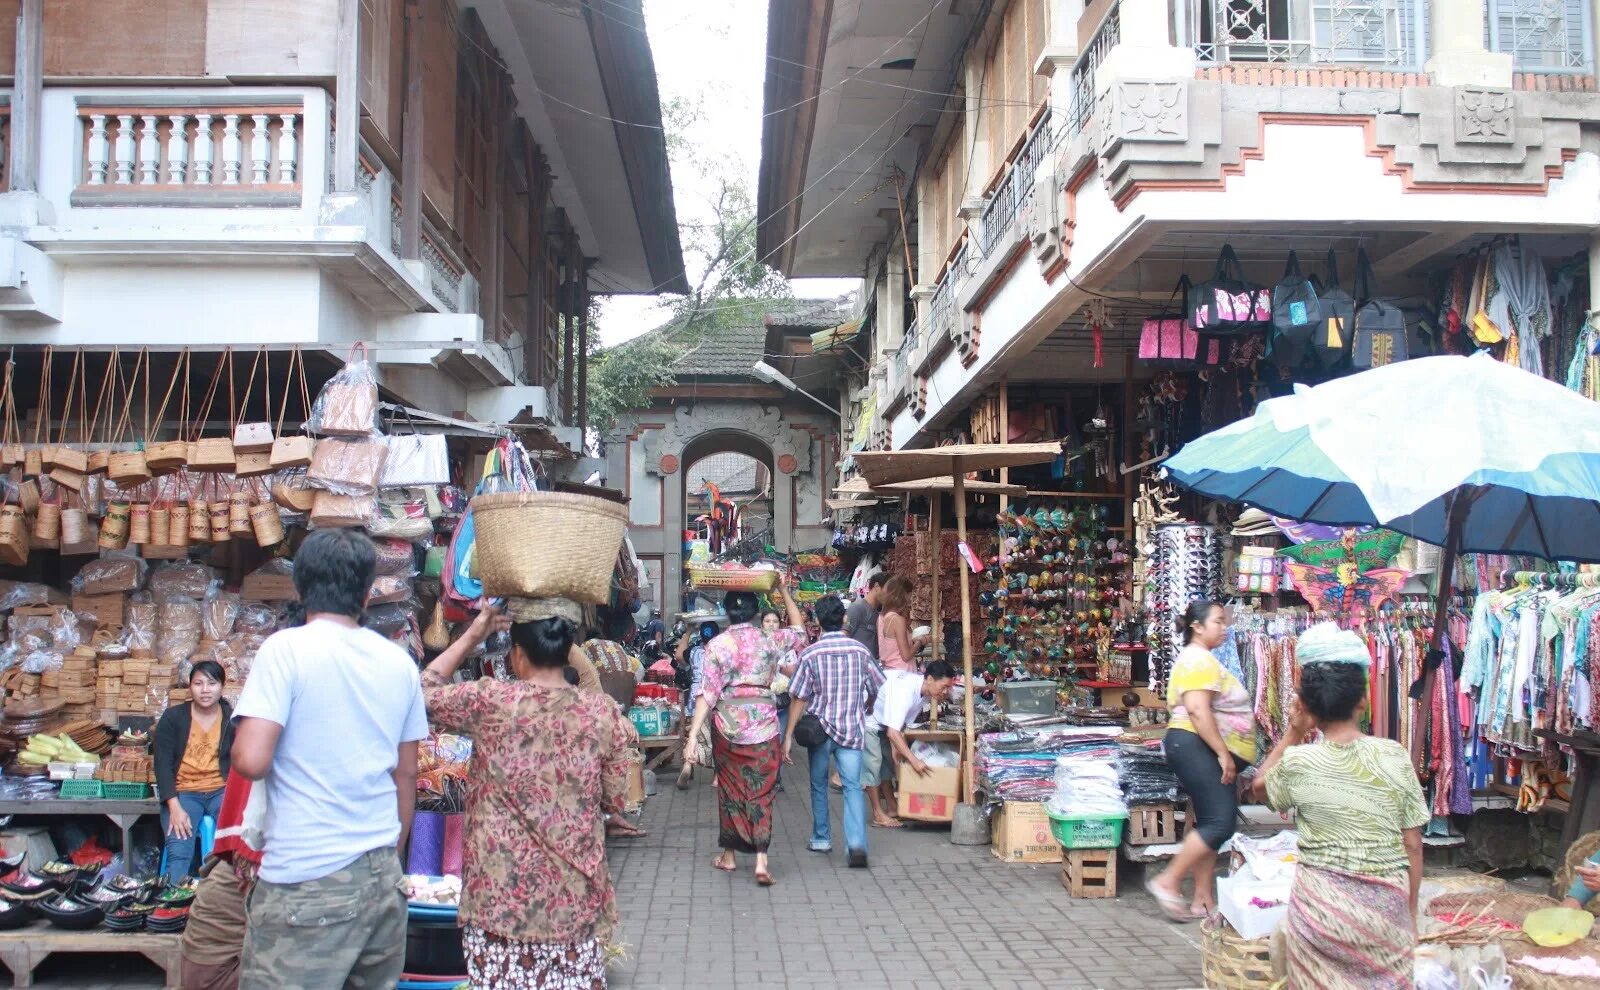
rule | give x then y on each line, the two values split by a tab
821	847
858	859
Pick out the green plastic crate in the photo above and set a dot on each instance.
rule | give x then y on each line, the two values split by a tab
1085	832
79	789
127	792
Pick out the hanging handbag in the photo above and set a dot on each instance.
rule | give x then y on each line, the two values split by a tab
1296	312
166	456
415	459
1168	341
12	453
14	536
295	450
68	464
213	455
128	468
348	403
1227	305
253	438
1338	317
1380	328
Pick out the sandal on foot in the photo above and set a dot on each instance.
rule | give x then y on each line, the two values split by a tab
716	864
890	823
764	878
1171	905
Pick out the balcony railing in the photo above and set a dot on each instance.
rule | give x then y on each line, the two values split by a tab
1083	91
1014	189
942	306
1541	36
1381	34
902	356
189	154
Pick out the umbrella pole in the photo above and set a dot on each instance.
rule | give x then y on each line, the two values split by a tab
960	495
1460	503
935	537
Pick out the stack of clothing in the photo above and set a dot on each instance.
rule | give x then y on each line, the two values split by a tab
1021	766
1145	776
1087	787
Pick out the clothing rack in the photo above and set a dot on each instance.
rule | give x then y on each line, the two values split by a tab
1546	579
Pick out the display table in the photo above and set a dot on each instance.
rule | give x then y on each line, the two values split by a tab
24	949
660	749
122	813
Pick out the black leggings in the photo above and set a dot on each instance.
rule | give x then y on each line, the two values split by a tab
1216	805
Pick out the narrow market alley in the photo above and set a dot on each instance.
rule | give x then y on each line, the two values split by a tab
926	914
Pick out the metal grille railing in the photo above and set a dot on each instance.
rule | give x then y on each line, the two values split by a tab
1083	90
942	307
1386	34
1544	36
902	356
1014	188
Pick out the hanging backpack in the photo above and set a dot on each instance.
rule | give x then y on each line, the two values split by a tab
1380	327
1226	305
1338	315
1296	311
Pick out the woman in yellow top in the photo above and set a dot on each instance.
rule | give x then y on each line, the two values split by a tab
191	763
1210	739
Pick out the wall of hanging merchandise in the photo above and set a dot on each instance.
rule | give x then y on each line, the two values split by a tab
1185	565
1051	592
139	535
1084	418
873	531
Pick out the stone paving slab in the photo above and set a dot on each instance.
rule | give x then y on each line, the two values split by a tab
927	914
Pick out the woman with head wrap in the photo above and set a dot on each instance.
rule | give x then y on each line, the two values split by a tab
1359	808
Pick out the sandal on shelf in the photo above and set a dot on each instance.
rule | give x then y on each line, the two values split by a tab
1172	905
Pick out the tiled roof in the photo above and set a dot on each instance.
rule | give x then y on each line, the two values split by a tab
733	351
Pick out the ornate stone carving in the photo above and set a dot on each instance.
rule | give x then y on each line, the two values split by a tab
1147	111
1040	216
662	450
1485	116
965	333
919	398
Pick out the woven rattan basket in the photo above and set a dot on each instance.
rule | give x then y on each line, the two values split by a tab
1229	961
1582	848
1528	978
547	544
1508	906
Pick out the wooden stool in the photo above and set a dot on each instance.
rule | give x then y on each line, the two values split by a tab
1089	873
1154	824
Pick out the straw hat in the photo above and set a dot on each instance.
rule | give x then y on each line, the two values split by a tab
1254	522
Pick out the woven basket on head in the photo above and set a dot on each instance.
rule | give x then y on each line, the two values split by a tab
547	545
1582	848
1229	961
1528	978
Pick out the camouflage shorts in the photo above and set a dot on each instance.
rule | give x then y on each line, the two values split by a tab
347	929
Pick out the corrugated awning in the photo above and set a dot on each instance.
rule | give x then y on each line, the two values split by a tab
827	340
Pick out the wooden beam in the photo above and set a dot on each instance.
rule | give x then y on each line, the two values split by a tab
1428	245
569	265
411	149
26	96
347	98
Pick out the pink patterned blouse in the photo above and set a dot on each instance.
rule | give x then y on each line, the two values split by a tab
739	668
546	762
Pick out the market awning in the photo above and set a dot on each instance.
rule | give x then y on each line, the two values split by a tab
827	340
886	467
859	486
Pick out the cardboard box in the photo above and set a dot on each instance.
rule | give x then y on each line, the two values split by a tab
1021	834
932	798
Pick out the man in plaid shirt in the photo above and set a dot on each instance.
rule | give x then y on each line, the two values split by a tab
835	680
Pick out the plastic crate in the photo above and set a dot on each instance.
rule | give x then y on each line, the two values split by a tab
127	792
79	789
1087	832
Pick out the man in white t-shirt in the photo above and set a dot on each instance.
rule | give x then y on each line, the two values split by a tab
900	700
329	721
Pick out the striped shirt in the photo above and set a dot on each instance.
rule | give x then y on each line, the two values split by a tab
836	677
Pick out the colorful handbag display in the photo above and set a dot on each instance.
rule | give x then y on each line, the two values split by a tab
1338	317
1168	341
1227	305
1380	327
1296	310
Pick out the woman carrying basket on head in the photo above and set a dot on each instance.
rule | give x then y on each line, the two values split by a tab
736	695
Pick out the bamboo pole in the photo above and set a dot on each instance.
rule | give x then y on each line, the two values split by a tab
960	495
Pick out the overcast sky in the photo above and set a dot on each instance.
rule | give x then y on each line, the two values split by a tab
716	50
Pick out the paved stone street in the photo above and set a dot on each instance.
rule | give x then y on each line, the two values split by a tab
927	914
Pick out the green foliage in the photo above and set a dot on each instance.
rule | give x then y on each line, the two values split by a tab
734	287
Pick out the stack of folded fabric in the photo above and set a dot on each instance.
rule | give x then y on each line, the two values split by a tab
1021	766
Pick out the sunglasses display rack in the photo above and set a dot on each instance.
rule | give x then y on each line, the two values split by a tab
1185	565
1051	595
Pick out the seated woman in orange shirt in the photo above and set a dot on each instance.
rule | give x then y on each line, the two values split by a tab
191	762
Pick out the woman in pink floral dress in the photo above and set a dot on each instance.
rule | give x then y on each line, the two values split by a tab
548	761
736	694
